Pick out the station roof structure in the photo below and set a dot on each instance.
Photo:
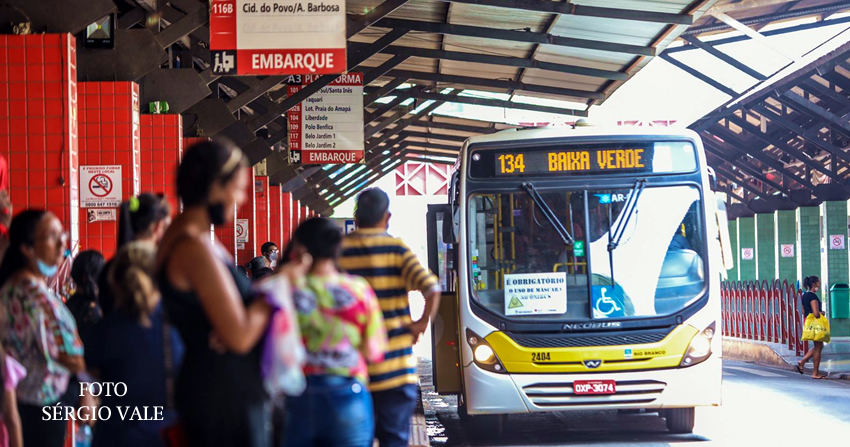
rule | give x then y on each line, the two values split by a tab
559	57
783	143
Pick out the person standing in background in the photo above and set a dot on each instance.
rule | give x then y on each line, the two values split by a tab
271	253
84	304
5	206
40	332
219	396
811	306
142	218
393	271
342	329
147	369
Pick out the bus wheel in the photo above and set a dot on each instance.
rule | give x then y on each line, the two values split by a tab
679	420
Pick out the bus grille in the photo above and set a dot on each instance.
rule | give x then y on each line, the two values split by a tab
573	341
629	392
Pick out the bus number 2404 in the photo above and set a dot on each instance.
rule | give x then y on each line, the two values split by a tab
540	357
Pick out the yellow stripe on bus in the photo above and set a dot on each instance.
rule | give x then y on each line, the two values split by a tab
666	353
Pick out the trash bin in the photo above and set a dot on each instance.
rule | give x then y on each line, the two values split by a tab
839	301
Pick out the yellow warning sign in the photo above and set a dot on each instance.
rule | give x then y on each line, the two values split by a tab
515	302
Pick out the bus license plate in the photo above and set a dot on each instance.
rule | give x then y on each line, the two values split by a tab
594	387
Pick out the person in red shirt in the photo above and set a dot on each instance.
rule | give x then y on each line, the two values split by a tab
5	206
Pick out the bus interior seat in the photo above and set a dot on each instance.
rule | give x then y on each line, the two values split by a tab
681	279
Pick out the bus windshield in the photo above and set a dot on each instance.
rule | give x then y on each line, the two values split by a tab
521	269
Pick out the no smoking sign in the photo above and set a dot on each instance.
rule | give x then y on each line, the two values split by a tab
241	230
100	186
836	242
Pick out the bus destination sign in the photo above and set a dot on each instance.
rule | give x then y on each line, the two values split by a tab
579	161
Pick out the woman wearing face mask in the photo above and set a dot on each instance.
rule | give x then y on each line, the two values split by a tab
39	331
271	253
145	219
219	395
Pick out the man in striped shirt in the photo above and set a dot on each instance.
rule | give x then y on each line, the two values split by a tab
392	270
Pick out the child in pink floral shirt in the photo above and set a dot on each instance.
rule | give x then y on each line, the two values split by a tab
10	429
342	329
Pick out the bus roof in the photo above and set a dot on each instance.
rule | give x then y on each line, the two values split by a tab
587	131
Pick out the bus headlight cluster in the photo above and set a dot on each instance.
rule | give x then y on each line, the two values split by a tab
483	354
699	349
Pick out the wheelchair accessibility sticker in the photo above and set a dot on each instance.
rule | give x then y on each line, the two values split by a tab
608	302
536	293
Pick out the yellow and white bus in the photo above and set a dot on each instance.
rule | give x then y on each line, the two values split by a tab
581	271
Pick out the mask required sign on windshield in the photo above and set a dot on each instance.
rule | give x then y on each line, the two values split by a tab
535	293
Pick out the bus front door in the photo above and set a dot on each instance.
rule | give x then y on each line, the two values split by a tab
445	355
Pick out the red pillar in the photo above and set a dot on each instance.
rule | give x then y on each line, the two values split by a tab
226	234
248	212
303	213
296	214
38	124
161	152
276	216
109	135
287	217
261	194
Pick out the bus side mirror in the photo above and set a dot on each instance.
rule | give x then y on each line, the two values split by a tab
712	178
451	220
723	235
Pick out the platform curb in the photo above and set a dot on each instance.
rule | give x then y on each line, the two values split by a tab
762	353
754	351
418	426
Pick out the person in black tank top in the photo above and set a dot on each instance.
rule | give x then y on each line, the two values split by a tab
811	305
219	393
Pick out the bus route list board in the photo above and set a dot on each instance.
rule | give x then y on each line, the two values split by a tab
327	127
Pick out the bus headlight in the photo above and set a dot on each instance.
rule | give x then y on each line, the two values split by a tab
700	347
483	354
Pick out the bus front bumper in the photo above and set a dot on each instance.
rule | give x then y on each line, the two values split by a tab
490	393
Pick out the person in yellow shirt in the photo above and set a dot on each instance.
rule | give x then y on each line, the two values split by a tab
392	270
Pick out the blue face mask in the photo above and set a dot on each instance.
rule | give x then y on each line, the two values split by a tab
45	269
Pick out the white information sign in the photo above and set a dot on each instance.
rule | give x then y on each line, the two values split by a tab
277	37
241	230
836	242
100	186
327	128
787	250
747	254
536	293
101	215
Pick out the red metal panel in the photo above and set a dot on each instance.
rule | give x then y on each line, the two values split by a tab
261	193
286	217
248	211
108	141
275	216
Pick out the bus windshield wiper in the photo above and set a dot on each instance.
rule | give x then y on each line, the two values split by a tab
565	235
628	210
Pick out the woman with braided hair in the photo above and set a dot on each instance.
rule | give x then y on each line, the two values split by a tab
134	345
142	218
